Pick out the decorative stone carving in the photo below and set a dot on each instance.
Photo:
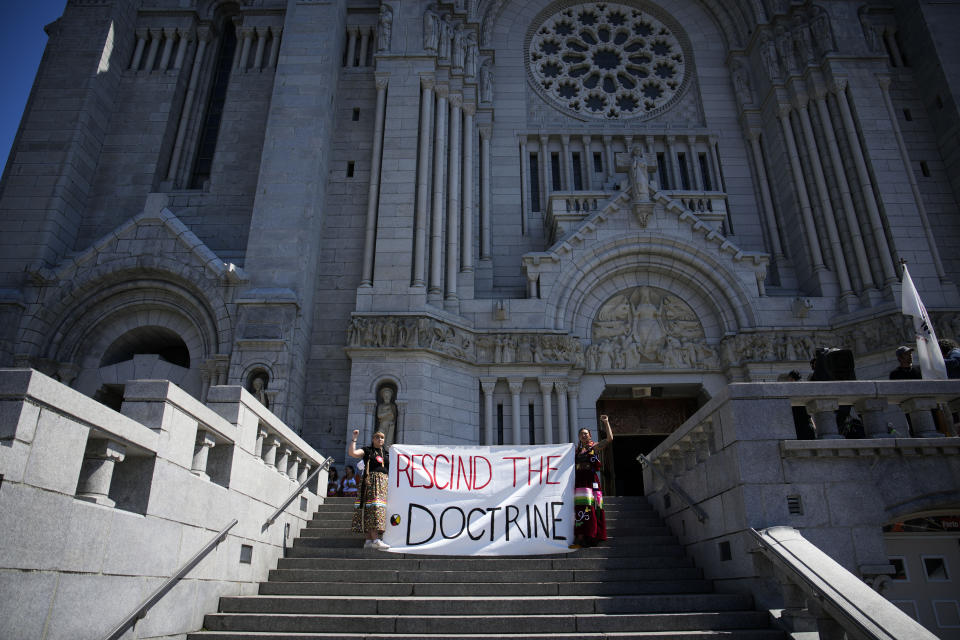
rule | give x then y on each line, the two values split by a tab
387	414
384	28
431	29
608	61
444	36
258	387
648	325
486	81
741	82
457	47
471	52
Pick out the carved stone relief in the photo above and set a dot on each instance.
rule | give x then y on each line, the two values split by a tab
648	325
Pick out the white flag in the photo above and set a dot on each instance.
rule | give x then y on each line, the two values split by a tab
928	351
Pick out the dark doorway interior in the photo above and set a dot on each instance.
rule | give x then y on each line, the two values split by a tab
639	425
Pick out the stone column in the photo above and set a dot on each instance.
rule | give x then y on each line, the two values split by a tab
138	51
423	181
186	37
532	278
849	209
168	35
608	156
155	35
364	45
866	187
488	385
373	190
243	59
546	176
566	174
917	196
439	195
840	261
270	455
261	33
201	452
824	412
258	447
800	186
485	133
282	459
676	182
698	183
305	469
293	468
453	199
768	210
525	204
921	418
96	472
715	182
587	165
516	386
351	45
563	425
546	396
873	413
276	32
888	37
466	228
574	398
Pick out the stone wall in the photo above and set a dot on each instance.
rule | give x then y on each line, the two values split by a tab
99	508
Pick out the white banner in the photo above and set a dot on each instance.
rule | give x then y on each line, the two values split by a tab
931	362
485	501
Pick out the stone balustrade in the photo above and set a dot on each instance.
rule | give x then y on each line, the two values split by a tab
100	506
566	209
708	205
740	462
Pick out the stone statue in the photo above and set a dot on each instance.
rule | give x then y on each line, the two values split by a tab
486	81
445	34
457	47
471	53
431	29
639	176
258	387
741	82
387	415
384	28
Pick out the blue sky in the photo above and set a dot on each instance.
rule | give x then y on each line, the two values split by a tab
22	40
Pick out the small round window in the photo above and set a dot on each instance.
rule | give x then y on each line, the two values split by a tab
607	61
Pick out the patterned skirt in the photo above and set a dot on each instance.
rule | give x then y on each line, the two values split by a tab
374	515
590	525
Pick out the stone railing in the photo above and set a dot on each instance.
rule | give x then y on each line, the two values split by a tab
103	506
566	209
739	461
708	205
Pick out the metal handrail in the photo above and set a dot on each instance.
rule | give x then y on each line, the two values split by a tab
323	465
645	461
162	590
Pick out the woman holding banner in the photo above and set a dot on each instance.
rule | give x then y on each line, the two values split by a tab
590	526
370	508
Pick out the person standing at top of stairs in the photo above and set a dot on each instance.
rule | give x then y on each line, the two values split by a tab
590	527
370	510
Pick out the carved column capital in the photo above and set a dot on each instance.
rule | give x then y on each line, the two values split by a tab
783	112
561	387
546	386
469	108
516	385
382	80
353	29
486	131
839	85
442	90
884	80
488	385
456	100
427	81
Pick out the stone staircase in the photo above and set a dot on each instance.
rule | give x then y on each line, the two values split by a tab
638	585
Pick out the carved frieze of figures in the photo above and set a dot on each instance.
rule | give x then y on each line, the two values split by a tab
648	325
407	333
471	52
457	48
445	35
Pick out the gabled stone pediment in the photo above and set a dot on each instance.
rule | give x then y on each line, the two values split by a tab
659	236
155	232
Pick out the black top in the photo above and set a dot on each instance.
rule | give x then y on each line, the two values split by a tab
901	373
377	459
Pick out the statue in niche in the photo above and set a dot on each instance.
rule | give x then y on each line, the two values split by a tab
384	28
486	81
431	29
445	35
741	82
471	52
458	48
387	414
258	388
768	52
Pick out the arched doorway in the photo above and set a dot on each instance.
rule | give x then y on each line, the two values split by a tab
642	417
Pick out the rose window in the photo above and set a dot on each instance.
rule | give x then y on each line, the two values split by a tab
607	61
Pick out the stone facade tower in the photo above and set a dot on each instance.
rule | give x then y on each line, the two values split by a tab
508	213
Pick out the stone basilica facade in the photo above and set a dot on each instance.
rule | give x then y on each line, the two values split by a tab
512	214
